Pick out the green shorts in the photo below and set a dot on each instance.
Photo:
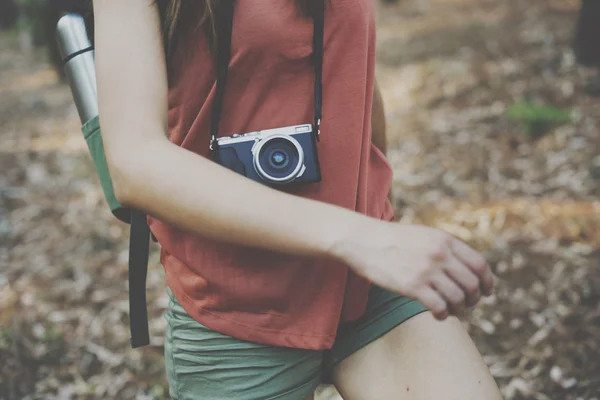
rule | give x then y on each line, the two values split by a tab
204	364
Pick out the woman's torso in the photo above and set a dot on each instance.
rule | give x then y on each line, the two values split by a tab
253	294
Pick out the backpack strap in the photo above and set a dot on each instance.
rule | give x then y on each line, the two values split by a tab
139	248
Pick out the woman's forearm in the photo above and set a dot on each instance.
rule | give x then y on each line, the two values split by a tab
195	194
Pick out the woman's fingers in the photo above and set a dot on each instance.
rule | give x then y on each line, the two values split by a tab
434	302
476	263
487	282
465	278
450	291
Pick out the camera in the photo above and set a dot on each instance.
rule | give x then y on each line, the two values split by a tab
274	157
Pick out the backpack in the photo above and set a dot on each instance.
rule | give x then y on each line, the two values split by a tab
77	54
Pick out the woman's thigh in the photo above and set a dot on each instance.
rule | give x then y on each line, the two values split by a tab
204	364
421	359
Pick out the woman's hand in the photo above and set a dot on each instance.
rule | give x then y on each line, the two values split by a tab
422	263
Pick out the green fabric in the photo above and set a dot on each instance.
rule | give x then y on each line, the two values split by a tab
93	137
204	364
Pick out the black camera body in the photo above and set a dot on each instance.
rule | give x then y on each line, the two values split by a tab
275	157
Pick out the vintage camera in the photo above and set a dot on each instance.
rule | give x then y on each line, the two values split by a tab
274	157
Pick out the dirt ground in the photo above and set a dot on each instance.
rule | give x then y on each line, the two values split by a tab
450	71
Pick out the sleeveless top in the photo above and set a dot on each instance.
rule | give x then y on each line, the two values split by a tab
264	296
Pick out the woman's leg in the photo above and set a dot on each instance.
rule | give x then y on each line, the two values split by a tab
421	359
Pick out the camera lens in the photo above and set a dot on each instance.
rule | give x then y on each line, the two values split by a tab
279	159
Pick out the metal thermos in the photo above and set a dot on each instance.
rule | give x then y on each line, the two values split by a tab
80	68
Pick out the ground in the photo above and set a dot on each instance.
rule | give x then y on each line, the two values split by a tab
451	72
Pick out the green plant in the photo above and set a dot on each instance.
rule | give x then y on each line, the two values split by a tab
7	335
52	334
537	118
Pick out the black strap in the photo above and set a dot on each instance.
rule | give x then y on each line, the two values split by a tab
139	247
319	33
225	14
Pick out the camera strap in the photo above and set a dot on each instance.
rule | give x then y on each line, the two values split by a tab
225	17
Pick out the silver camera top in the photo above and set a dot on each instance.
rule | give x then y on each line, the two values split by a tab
258	135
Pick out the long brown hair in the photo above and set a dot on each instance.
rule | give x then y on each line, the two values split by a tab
181	17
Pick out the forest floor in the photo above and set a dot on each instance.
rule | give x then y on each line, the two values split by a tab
452	72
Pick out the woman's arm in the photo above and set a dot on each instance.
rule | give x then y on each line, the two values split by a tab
176	185
190	192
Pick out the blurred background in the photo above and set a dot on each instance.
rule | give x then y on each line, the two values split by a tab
494	136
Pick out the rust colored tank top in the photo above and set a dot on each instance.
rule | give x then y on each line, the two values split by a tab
263	296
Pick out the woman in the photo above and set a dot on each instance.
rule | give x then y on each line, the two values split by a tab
271	289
